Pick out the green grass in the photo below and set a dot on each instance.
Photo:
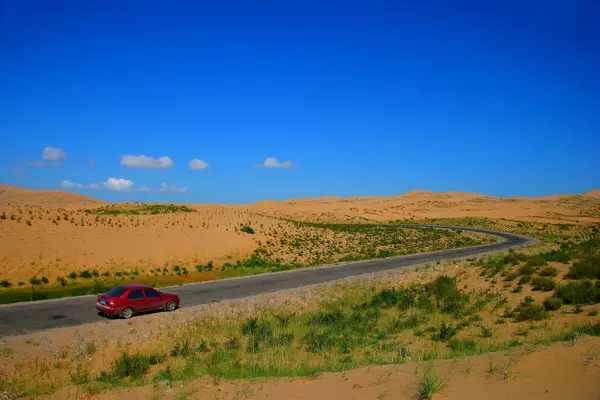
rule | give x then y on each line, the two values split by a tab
429	383
139	210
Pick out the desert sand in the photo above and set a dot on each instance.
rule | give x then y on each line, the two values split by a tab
47	233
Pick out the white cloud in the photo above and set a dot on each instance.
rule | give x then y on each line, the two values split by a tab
121	185
197	164
171	188
146	162
118	184
53	154
66	184
273	162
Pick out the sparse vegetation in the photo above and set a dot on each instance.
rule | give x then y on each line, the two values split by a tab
151	209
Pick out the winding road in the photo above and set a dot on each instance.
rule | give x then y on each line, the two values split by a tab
37	316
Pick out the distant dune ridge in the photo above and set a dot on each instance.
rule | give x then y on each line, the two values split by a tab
51	198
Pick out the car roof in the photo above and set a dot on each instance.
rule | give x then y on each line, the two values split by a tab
133	286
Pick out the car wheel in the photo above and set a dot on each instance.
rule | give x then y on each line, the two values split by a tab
127	313
171	306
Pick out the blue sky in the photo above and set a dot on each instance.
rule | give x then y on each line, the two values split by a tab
350	97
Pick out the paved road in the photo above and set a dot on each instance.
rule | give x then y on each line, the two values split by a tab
42	315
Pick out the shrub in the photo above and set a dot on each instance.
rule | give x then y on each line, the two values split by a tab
525	279
527	270
5	283
553	303
511	275
247	229
588	268
560	256
73	275
544	284
445	333
135	365
531	312
549	271
85	274
536	261
44	279
582	292
514	258
34	280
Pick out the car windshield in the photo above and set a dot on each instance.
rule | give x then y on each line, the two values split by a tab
116	292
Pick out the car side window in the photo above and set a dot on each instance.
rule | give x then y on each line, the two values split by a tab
136	294
151	293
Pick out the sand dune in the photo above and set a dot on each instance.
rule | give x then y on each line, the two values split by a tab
48	233
50	198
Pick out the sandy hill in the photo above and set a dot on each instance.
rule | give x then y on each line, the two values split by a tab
48	198
595	193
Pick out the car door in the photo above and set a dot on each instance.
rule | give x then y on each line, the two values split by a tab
137	301
153	299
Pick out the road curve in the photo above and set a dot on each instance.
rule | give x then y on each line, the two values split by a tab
41	315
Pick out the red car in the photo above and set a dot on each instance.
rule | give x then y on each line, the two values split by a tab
125	300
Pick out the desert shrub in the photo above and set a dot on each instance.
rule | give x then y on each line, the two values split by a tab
73	275
543	284
532	312
495	264
511	275
525	279
548	271
560	256
448	297
536	261
514	258
4	283
134	365
553	303
35	281
587	268
247	229
85	274
581	292
386	298
446	332
527	270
